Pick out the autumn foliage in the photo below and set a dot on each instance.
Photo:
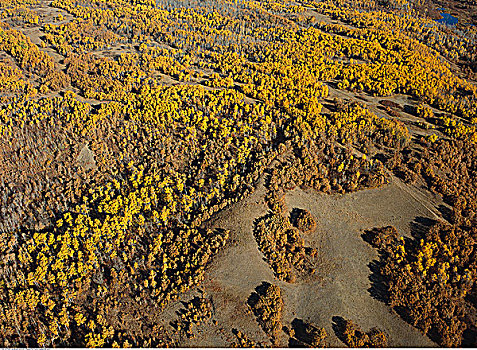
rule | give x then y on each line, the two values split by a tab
125	126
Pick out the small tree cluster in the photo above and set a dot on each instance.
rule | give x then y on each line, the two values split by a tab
267	305
303	220
354	337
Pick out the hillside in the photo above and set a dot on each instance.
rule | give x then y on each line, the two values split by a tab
237	173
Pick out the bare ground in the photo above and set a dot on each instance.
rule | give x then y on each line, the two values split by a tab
344	290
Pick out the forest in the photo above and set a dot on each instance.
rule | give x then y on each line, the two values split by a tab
129	127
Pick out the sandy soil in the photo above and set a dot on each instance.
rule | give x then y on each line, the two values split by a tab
344	290
238	269
344	293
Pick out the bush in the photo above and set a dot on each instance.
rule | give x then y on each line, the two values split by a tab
303	220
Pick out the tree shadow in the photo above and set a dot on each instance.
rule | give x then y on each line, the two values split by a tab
381	157
301	334
338	326
255	296
381	108
410	110
362	98
379	286
446	212
420	226
306	335
294	215
469	338
295	343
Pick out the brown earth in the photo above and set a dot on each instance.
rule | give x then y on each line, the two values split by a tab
343	289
